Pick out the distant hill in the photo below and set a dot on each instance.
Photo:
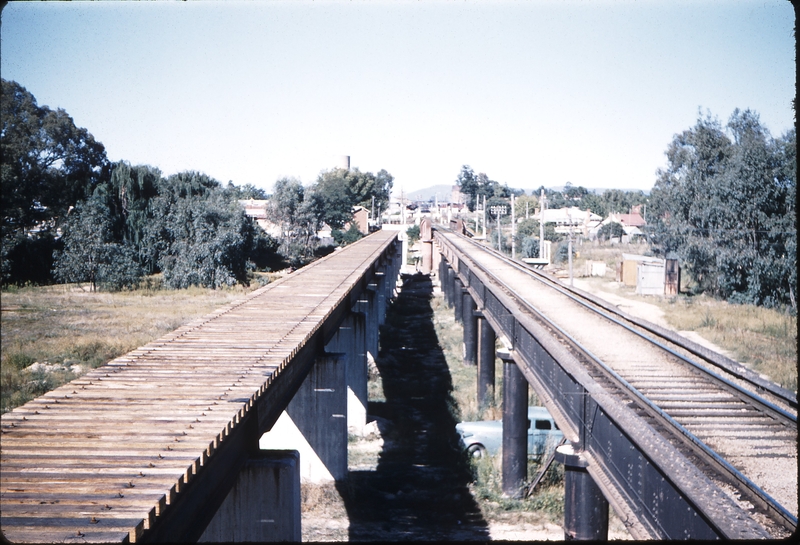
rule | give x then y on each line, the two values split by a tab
424	195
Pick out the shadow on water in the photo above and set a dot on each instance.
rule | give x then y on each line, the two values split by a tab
419	490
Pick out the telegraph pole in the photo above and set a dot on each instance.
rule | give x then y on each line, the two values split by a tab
513	231
541	225
569	246
483	215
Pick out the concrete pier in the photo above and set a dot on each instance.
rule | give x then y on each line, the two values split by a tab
263	505
486	359
585	507
315	422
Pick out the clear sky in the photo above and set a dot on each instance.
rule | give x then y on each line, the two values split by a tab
531	93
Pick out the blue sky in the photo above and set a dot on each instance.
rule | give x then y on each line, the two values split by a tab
531	93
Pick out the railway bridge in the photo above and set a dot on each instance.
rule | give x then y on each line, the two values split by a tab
206	433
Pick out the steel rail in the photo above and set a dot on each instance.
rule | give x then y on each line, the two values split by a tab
721	466
756	494
740	372
745	395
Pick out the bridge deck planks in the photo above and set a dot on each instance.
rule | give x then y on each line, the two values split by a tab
101	458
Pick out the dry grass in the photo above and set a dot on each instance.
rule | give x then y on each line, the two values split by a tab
68	326
762	338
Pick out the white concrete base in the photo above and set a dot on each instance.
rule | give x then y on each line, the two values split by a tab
356	413
286	435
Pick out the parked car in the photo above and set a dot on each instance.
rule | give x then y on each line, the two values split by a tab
482	438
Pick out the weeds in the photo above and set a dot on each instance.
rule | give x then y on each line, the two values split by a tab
764	339
547	499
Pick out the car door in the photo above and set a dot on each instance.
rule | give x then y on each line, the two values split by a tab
539	430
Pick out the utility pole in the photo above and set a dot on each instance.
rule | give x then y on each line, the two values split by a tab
477	205
483	214
498	211
569	246
513	231
402	207
541	225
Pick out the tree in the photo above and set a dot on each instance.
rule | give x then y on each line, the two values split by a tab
725	206
246	191
530	247
292	208
343	238
89	254
337	191
610	230
525	204
129	193
209	239
47	165
468	186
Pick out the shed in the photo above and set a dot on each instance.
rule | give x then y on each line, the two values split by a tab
650	278
627	273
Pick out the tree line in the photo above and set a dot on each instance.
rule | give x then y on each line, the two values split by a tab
71	215
724	206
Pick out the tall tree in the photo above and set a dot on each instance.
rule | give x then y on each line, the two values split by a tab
292	208
722	205
468	186
90	254
209	239
337	191
47	164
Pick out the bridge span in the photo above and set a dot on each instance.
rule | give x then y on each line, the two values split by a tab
150	446
195	436
684	443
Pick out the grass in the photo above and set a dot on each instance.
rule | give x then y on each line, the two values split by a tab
763	339
67	326
547	501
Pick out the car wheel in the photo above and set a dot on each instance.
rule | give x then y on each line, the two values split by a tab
476	451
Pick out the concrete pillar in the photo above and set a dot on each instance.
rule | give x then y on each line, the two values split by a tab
263	505
348	340
437	259
585	507
370	298
315	422
470	321
446	282
450	286
515	427
426	238
458	297
380	296
486	364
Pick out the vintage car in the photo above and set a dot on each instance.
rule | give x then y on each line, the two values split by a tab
482	438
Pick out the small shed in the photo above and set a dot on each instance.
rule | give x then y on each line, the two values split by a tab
650	278
650	275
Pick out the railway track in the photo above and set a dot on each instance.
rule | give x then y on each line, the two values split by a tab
738	428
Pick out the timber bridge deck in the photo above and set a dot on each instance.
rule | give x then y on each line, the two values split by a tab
149	446
106	457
